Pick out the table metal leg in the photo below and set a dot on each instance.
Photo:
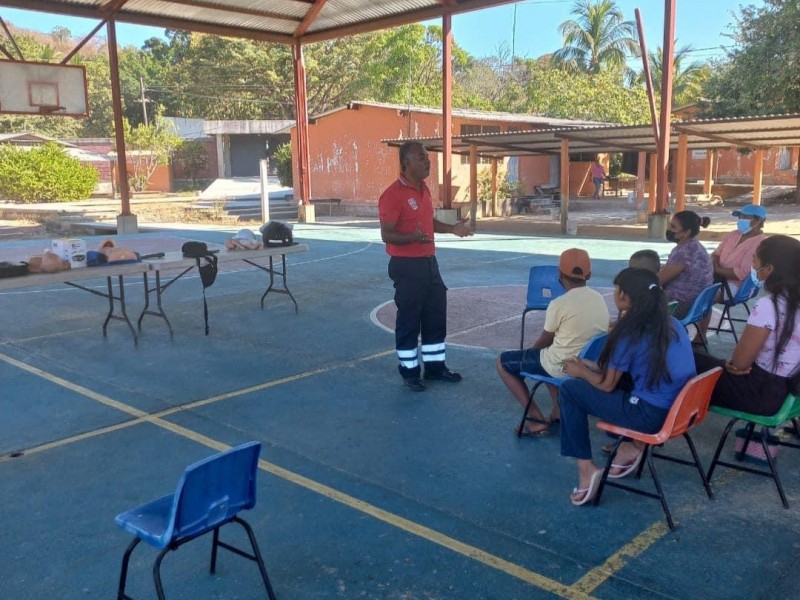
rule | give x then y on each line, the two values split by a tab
272	272
160	308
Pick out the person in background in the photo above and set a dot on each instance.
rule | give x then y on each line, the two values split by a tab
570	321
689	268
598	176
646	343
645	259
733	257
765	364
405	211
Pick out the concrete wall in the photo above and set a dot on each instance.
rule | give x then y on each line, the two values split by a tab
734	167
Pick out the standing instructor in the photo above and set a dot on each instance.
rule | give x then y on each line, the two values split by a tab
407	228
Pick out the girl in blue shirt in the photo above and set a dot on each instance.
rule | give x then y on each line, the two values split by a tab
653	349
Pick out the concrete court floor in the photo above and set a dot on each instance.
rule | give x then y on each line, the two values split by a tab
366	490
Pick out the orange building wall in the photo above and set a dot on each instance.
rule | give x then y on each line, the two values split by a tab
734	167
349	161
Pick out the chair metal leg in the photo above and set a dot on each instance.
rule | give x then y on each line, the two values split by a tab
258	558
698	465
660	492
157	573
524	420
123	575
522	331
719	449
641	462
611	456
773	470
748	438
214	544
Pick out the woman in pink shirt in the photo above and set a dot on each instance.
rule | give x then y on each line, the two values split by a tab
734	255
598	175
765	365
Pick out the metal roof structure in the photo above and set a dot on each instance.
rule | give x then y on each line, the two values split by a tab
282	21
747	132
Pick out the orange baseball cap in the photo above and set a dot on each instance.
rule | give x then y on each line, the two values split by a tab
575	263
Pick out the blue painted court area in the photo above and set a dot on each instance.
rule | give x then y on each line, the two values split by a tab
366	490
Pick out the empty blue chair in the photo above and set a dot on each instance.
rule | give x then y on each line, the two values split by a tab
747	290
591	351
543	286
700	309
210	494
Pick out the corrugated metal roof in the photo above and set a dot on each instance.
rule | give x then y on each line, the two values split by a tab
284	21
750	132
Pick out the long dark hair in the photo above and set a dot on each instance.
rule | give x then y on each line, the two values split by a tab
783	253
648	317
692	222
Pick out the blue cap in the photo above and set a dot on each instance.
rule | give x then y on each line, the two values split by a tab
751	210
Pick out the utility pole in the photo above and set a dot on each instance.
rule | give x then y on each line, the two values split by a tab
144	100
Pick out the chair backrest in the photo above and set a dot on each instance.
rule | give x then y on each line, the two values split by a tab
592	349
691	405
543	286
702	305
215	489
746	291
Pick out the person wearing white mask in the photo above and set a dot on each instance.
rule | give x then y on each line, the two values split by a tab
733	256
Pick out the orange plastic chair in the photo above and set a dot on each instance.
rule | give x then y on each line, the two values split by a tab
689	409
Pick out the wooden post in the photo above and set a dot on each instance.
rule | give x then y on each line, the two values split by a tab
758	170
641	165
564	184
667	76
680	175
301	120
495	208
651	203
708	176
447	111
119	132
473	185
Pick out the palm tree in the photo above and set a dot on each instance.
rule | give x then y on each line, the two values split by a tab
598	38
688	79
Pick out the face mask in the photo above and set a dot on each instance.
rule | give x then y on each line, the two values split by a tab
670	235
754	276
743	225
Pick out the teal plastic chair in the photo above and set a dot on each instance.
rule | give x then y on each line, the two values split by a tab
701	307
747	291
591	351
790	411
210	494
543	287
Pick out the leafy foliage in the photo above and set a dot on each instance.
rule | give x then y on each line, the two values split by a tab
43	174
190	159
688	77
148	147
283	164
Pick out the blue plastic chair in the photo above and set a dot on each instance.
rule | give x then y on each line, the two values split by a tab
210	494
747	291
543	286
591	351
700	309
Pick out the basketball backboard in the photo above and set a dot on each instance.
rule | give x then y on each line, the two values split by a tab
43	88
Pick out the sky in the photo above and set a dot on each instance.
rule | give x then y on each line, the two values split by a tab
533	32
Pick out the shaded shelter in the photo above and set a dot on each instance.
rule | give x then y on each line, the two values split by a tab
753	133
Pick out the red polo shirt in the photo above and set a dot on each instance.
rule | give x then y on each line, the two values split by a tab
408	207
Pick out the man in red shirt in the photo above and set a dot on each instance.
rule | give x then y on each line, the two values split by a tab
407	228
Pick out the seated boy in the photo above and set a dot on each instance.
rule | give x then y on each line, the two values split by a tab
570	321
645	259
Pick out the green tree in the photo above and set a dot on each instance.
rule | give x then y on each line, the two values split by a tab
597	39
148	147
283	163
688	77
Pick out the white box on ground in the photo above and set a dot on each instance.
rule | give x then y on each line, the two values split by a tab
71	249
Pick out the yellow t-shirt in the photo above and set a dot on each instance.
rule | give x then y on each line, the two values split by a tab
574	319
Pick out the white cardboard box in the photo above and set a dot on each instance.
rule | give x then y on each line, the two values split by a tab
71	249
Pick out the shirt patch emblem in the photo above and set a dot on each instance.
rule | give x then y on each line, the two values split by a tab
412	202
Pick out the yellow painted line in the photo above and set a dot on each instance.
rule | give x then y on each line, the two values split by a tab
490	560
617	561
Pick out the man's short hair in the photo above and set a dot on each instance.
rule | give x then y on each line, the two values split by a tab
645	259
406	150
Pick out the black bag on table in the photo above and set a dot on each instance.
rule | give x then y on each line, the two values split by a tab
276	233
8	269
206	266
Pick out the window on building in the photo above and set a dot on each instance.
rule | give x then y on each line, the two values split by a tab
473	130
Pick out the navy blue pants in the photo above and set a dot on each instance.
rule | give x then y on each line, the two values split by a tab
421	299
579	399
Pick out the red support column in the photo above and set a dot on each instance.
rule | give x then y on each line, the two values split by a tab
301	121
119	133
447	111
667	68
